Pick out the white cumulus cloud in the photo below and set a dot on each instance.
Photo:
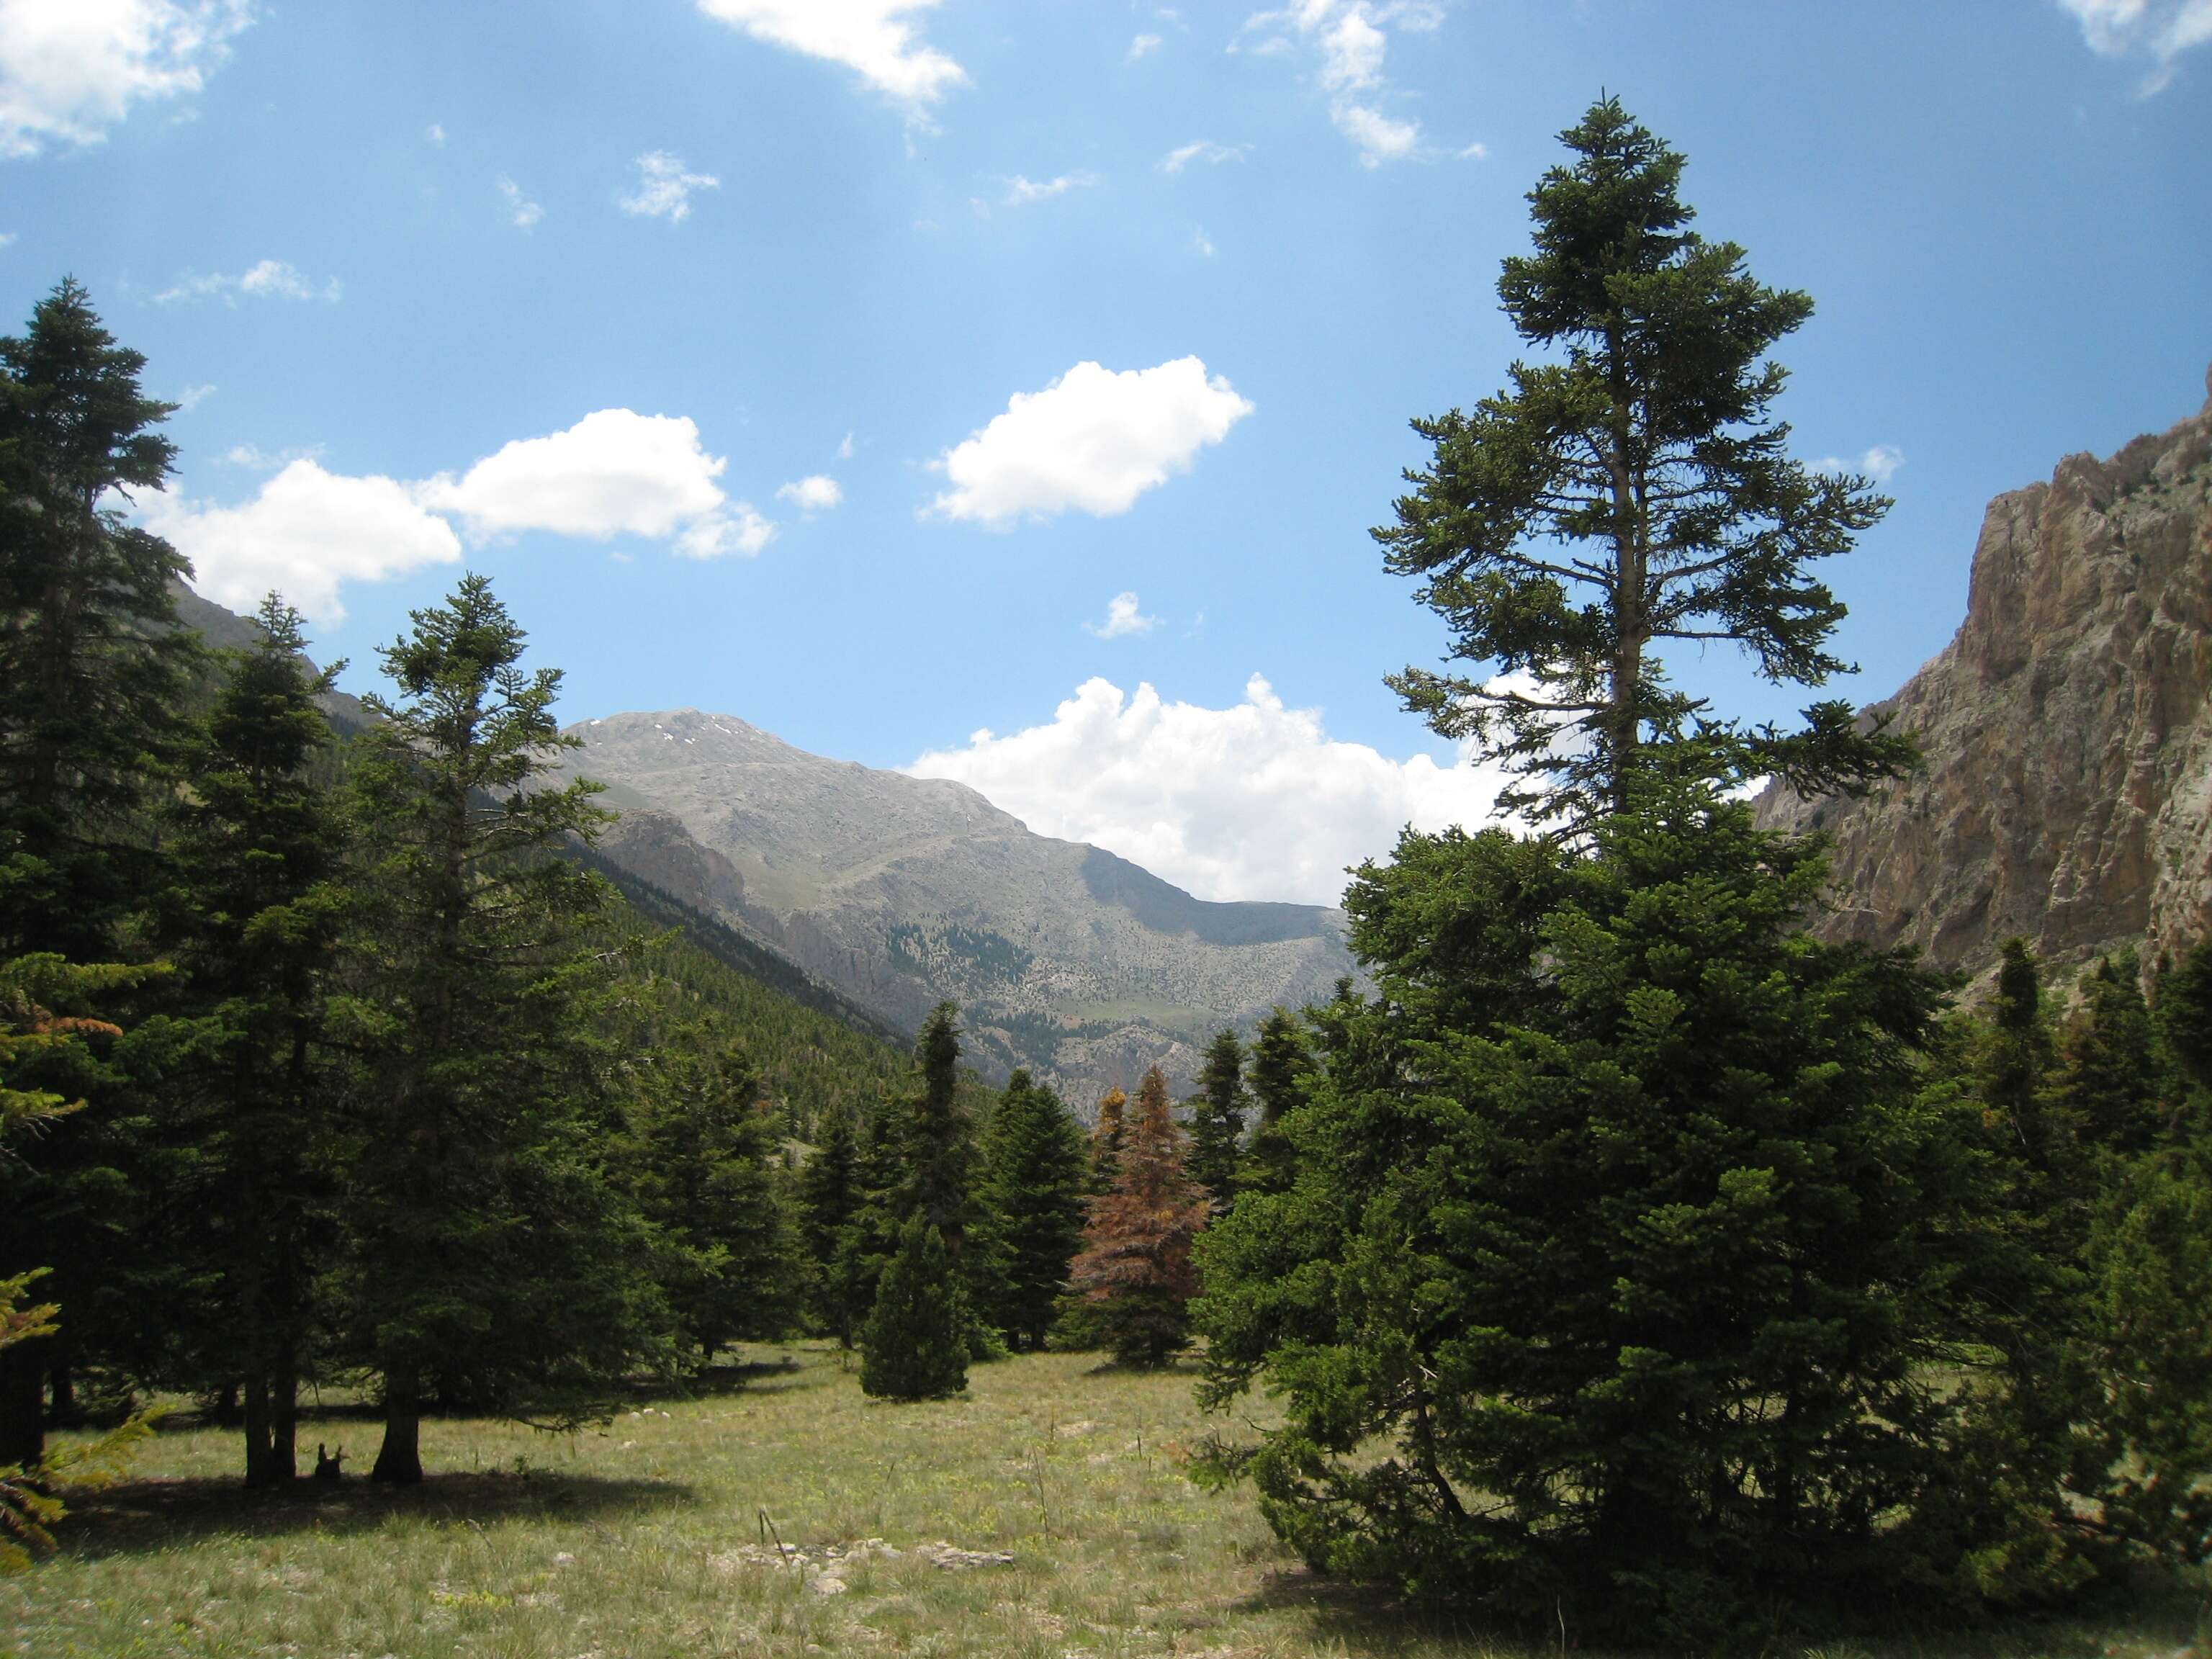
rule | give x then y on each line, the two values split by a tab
873	38
309	530
614	473
2160	30
1255	801
1093	440
304	534
1123	617
1143	46
664	187
69	70
814	494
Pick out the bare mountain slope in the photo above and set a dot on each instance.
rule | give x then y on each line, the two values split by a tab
2067	796
900	891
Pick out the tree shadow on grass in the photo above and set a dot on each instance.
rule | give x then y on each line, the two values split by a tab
135	1516
2159	1610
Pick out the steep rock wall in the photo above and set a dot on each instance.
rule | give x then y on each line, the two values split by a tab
2066	794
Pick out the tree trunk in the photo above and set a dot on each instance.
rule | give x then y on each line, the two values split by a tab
284	1415
399	1459
260	1469
61	1381
22	1415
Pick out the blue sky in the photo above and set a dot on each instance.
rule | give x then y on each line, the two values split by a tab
983	315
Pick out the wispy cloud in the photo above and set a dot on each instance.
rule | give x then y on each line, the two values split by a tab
1123	618
521	212
272	279
1021	191
1350	39
1202	149
664	187
1879	463
874	39
2158	30
1143	46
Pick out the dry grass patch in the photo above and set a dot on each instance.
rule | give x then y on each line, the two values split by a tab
1044	1515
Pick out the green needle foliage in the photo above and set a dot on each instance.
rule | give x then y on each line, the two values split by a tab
699	1151
1279	1065
1034	1170
830	1197
92	678
1217	1122
1630	1293
1629	493
495	1259
914	1347
257	914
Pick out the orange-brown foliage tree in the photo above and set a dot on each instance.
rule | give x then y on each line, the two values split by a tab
1135	1268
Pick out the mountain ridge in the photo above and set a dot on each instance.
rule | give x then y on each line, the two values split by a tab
900	891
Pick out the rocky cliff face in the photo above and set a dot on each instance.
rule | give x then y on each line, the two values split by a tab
899	891
2067	796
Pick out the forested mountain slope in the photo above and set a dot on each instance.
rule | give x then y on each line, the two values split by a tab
2067	793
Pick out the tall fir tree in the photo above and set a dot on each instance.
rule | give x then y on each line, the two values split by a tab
93	672
254	919
1035	1171
1135	1268
2106	1082
1632	493
1217	1122
494	1258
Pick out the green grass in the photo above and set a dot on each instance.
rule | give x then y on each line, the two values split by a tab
648	1541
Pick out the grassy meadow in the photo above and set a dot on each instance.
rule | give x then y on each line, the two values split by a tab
1046	1514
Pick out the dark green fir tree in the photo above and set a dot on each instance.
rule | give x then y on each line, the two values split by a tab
1035	1171
914	1347
1631	492
1217	1122
830	1193
92	724
256	914
699	1152
497	1259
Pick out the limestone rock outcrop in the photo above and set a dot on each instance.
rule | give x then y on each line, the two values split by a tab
2067	731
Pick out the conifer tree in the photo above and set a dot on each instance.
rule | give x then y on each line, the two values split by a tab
255	916
1217	1122
92	670
1631	492
2106	1084
1280	1063
494	1257
1035	1171
1658	1256
832	1192
1107	1133
700	1149
2018	1061
1135	1268
914	1347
